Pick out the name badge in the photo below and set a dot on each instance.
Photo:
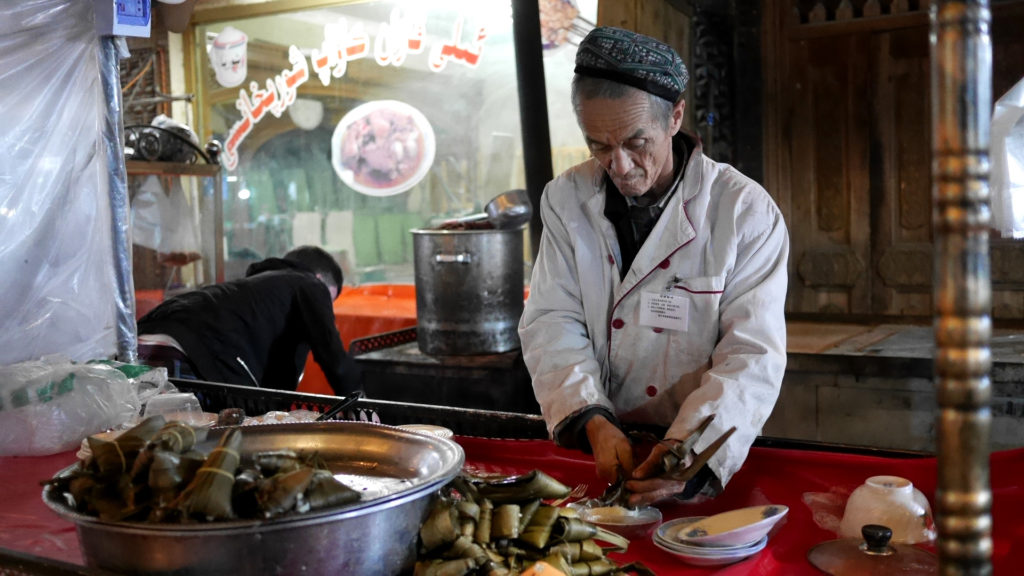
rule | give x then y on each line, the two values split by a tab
664	310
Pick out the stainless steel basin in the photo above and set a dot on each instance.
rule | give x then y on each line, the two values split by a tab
398	471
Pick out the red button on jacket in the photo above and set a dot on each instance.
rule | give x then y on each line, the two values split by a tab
618	323
652	391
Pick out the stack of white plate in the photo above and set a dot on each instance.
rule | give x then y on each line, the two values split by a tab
720	539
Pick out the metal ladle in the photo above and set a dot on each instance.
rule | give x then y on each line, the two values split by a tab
505	211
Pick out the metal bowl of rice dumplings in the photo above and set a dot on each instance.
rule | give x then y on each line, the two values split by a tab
397	472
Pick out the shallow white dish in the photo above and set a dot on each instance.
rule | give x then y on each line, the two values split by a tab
629	523
733	528
709	550
665	535
713	557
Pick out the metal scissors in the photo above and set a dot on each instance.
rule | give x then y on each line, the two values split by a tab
676	454
672	462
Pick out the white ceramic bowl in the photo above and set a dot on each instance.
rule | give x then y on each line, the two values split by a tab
893	502
733	528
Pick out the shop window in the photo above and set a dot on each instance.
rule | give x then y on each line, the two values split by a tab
376	117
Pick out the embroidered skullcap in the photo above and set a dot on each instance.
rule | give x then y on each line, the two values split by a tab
633	59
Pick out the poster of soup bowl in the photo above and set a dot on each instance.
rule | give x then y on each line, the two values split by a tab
382	148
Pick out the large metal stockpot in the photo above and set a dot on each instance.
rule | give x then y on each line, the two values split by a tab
398	471
469	290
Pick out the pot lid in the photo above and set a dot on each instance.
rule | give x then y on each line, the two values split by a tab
872	556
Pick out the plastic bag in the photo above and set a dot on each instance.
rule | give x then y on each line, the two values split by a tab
49	405
56	255
148	381
162	221
1006	150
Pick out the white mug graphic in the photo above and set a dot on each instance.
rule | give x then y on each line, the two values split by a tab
228	57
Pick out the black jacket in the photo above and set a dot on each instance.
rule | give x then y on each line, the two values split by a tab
269	320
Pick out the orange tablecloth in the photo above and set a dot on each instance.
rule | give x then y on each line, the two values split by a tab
363	311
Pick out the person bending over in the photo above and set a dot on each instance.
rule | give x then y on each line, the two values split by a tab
257	330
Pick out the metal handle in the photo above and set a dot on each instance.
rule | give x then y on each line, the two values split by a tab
876	539
340	405
461	258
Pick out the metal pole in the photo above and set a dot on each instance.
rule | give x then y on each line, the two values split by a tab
218	224
533	107
113	133
961	90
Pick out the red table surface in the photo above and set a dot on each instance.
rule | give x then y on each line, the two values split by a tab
770	475
776	476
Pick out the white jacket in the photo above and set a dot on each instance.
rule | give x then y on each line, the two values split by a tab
717	255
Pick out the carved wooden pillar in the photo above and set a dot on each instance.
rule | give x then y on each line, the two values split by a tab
961	73
712	82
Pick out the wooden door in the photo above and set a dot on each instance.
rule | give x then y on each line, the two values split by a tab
848	153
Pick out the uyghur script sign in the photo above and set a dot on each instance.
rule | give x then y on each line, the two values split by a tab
395	40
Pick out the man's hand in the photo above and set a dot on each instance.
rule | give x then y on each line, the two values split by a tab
645	489
613	453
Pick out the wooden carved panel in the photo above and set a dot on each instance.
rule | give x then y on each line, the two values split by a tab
907	267
907	71
830	268
1007	264
901	167
1007	267
826	146
829	189
818	11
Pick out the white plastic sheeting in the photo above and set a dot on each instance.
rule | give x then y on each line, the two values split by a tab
57	274
1007	153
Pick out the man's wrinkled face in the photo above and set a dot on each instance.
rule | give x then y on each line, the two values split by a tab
633	146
